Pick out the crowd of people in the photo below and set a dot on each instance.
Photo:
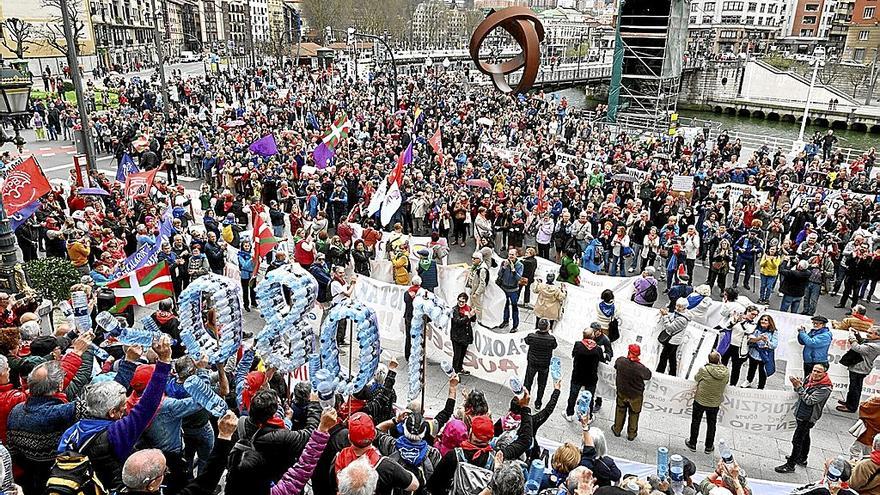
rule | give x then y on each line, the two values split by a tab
512	179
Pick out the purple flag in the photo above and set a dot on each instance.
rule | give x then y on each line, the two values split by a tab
23	214
265	146
322	155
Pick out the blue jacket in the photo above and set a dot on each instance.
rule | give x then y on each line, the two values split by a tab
589	255
816	343
245	265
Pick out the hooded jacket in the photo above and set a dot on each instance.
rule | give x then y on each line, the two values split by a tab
549	301
711	383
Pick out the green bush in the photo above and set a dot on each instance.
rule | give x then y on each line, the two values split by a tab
67	86
52	277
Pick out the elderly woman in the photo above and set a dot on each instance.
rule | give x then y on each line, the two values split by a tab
595	456
673	329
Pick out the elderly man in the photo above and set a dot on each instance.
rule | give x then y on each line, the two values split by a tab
477	280
34	427
812	397
586	356
358	478
865	476
711	384
631	378
144	472
673	329
107	434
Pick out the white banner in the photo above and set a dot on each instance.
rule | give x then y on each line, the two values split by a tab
736	191
668	397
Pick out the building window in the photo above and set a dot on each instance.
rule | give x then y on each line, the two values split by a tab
693	20
735	6
730	19
707	19
859	54
809	19
709	7
811	7
863	35
753	6
868	13
806	32
760	21
728	35
695	7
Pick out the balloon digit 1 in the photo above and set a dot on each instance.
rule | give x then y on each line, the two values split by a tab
284	339
367	334
427	305
225	296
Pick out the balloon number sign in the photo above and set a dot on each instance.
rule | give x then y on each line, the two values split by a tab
370	349
224	294
425	304
284	340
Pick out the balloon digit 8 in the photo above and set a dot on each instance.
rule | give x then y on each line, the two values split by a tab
367	334
428	305
225	296
283	341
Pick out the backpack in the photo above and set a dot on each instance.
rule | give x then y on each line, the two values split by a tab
73	474
470	479
244	461
422	472
650	293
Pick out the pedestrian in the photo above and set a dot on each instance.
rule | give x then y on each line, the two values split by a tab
400	265
691	249
550	300
762	344
631	379
427	269
461	332
541	345
812	397
477	281
793	286
530	265
509	276
719	264
645	288
769	269
816	342
856	265
746	249
866	349
246	275
673	328
586	356
711	382
408	297
742	328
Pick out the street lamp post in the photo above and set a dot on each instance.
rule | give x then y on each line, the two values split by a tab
160	59
72	62
818	61
15	90
384	42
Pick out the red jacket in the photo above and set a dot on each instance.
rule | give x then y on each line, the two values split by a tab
9	397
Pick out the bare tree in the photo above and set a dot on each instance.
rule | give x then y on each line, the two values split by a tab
19	34
335	14
857	79
54	30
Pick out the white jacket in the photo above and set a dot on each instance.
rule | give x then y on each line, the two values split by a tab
691	246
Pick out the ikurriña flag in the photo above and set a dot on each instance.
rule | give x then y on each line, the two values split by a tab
146	285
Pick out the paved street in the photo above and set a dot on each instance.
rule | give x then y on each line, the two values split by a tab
757	453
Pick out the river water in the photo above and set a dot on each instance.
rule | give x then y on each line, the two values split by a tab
848	139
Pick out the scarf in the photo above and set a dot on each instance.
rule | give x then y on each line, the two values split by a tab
425	264
590	344
875	457
607	309
163	317
467	445
826	380
347	455
413	453
863	318
79	433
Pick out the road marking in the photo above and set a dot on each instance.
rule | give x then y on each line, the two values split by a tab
45	149
48	154
71	152
68	147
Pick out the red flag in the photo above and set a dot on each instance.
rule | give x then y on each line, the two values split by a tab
24	184
138	185
146	285
264	241
542	203
436	142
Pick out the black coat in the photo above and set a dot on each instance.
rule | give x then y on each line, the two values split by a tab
462	330
541	345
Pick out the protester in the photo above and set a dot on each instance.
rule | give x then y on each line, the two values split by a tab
550	300
711	383
816	342
740	331
866	349
541	345
461	333
645	288
631	378
673	327
762	344
585	370
812	396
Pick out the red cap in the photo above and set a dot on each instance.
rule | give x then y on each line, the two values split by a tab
635	350
361	430
482	428
141	377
